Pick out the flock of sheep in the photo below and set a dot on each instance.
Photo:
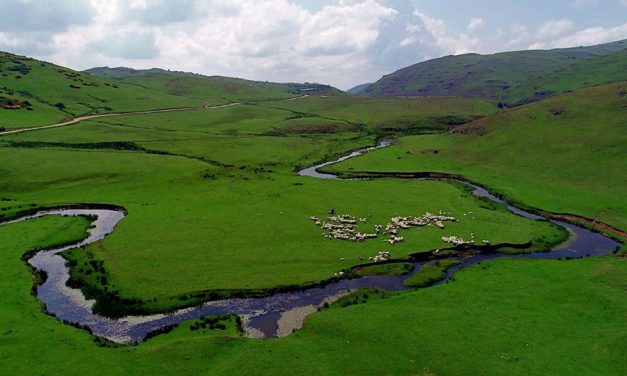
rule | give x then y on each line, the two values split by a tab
344	227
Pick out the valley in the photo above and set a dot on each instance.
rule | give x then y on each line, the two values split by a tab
168	222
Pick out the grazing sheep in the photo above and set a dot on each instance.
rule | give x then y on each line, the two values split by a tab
344	226
381	256
457	241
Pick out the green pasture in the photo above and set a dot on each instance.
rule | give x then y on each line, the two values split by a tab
564	155
233	225
215	207
505	317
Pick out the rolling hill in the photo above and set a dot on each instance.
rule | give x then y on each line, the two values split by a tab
598	71
510	77
209	88
359	89
34	92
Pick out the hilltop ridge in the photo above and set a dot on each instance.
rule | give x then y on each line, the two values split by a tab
510	77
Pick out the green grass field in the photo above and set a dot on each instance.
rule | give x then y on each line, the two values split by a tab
238	222
564	155
499	318
430	273
390	115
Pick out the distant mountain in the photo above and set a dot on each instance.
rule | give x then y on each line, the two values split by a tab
209	88
359	89
123	72
511	77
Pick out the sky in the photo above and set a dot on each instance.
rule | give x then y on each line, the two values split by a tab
338	42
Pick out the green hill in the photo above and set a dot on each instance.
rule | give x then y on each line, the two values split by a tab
34	92
124	72
511	77
210	88
598	71
564	154
359	89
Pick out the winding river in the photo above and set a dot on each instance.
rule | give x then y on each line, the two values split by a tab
273	316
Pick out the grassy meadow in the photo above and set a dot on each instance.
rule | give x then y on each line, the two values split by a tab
564	154
230	201
505	317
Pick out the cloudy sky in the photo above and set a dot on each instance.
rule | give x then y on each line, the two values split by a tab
338	42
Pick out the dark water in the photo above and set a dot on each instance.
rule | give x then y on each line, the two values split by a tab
262	316
313	170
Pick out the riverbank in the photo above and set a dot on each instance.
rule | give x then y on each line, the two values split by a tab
532	316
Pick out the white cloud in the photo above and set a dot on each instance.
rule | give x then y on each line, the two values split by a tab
411	28
555	28
476	23
408	41
519	34
127	44
274	39
585	37
444	40
341	42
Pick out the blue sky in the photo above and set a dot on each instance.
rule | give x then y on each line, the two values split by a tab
501	14
339	42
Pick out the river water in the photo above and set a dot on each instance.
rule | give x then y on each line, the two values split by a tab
272	316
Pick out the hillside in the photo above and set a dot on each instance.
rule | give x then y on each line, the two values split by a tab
124	72
34	92
359	88
209	88
510	77
564	154
598	71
